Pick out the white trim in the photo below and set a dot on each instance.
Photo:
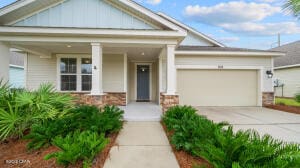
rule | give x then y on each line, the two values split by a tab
16	66
259	69
26	70
78	73
88	32
150	80
160	73
97	69
78	39
36	12
216	67
125	76
15	6
171	70
230	53
287	66
211	40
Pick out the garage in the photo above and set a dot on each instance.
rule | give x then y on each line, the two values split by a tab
216	87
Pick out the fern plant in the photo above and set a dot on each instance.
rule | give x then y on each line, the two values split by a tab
78	146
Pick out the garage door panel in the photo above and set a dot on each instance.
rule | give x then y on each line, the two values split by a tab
217	87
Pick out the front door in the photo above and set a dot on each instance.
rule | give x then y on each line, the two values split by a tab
143	83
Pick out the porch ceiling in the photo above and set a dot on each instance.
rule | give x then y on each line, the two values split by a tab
138	52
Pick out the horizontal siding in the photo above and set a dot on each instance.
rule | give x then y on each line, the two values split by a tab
194	40
265	62
40	70
291	79
85	14
113	73
16	77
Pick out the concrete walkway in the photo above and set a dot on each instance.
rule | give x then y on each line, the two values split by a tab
142	145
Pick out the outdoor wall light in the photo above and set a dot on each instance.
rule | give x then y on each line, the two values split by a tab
269	73
95	67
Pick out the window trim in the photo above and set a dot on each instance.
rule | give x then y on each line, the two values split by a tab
78	69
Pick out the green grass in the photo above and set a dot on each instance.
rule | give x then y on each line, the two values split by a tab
287	102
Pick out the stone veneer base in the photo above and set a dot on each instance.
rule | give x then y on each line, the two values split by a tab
268	98
167	101
117	99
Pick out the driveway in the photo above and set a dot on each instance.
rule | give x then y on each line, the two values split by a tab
281	125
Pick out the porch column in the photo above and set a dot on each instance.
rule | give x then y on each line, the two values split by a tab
97	82
171	70
4	63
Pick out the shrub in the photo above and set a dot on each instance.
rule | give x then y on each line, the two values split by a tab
106	120
78	146
41	134
223	148
19	109
83	118
297	97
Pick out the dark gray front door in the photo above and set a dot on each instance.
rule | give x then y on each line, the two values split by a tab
143	83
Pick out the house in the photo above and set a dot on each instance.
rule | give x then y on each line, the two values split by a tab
16	69
117	52
287	70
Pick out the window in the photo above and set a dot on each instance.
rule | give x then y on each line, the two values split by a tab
75	74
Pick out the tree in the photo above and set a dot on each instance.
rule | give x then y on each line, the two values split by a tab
293	6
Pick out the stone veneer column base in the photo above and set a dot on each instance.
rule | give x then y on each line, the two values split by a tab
117	99
167	101
268	98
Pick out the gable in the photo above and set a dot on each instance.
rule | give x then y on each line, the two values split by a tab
84	14
194	40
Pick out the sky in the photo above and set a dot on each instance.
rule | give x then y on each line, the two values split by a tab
236	23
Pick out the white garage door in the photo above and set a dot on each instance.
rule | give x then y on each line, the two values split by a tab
217	87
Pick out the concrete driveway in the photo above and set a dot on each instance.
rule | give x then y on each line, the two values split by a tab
281	125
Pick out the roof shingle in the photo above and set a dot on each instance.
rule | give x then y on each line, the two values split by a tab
292	54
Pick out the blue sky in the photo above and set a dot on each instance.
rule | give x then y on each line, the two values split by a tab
236	23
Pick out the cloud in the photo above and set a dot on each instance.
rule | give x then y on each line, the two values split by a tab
154	2
242	18
231	12
263	29
228	39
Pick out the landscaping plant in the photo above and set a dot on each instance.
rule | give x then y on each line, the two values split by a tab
297	97
78	146
222	147
19	108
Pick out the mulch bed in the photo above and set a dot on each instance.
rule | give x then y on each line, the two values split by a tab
289	109
185	160
15	151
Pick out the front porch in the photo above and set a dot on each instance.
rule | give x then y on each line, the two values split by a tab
103	73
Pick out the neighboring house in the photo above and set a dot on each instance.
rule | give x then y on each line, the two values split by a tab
117	51
16	69
287	70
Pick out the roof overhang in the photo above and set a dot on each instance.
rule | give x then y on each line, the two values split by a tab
230	53
117	33
211	40
287	66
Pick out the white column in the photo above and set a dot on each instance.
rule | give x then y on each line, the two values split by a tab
171	70
4	62
97	82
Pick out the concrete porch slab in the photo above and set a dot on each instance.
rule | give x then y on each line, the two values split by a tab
142	111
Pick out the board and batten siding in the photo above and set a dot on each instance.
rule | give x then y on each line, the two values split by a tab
40	70
84	14
194	40
290	77
44	70
242	61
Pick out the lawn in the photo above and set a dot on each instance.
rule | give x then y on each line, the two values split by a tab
287	102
